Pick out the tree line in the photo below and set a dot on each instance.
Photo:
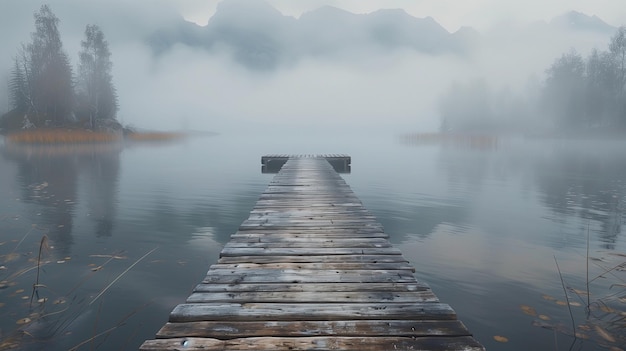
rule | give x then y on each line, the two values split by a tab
578	95
43	90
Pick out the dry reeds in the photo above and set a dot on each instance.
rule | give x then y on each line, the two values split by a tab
61	136
154	136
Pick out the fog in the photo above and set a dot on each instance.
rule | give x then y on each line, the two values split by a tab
253	67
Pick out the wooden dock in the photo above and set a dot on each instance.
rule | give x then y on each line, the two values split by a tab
311	269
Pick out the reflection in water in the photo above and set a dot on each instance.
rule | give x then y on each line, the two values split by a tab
481	225
586	181
573	180
49	176
457	141
102	173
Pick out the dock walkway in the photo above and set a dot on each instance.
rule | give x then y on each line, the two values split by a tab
311	269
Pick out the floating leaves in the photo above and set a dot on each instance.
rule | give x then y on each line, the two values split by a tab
543	317
500	338
13	256
604	334
528	310
578	292
23	321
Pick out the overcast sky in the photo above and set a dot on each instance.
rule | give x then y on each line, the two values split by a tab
398	90
452	14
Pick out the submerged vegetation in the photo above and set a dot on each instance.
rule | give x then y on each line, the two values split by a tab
594	312
51	310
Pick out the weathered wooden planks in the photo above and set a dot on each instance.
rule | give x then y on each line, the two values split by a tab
231	330
464	343
311	269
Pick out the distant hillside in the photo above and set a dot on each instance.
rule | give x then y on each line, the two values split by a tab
260	37
577	21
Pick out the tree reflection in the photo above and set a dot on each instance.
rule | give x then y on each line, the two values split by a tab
102	172
49	176
585	183
576	179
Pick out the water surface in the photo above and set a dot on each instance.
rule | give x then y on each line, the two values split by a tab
482	223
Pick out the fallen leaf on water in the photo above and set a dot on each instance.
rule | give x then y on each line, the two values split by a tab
604	334
543	317
561	303
579	292
542	324
606	309
25	297
23	321
582	335
574	303
499	338
60	261
584	327
11	257
528	310
19	291
548	297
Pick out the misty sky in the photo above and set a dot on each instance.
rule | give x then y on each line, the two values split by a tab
395	90
452	14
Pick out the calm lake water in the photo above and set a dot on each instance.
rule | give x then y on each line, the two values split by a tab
482	223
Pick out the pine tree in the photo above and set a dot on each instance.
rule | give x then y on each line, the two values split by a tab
48	72
96	94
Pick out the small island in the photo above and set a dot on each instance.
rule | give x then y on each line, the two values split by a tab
51	104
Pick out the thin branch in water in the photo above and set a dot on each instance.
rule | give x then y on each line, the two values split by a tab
43	245
119	276
24	237
95	336
569	307
587	279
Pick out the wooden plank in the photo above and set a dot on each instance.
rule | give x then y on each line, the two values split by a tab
307	251
318	266
298	276
464	343
326	234
320	287
355	258
315	296
193	312
231	330
308	243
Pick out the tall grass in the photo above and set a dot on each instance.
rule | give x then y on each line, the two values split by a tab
58	136
50	314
